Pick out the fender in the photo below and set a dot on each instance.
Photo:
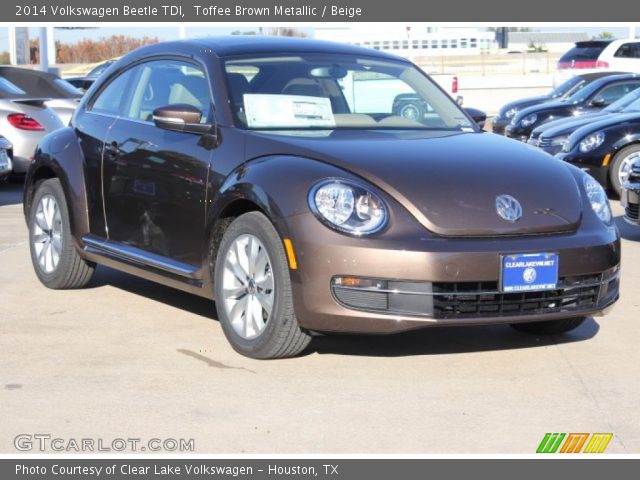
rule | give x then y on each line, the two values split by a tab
625	141
260	181
59	155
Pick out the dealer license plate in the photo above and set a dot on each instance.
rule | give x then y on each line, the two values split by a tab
529	272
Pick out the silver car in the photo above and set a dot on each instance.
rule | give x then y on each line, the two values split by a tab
24	121
62	97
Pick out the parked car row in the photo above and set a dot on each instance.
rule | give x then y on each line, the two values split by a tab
596	128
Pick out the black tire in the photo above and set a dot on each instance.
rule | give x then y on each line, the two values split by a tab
550	327
411	111
72	271
281	336
614	169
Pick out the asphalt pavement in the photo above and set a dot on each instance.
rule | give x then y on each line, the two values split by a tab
128	359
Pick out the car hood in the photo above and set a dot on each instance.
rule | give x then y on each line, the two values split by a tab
545	108
448	181
524	103
565	126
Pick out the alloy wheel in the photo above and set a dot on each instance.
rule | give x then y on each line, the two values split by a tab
47	234
625	166
248	286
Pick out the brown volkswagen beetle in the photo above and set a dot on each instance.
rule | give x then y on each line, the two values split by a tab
274	176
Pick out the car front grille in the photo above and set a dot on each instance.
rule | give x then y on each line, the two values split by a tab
544	142
469	300
471	305
631	212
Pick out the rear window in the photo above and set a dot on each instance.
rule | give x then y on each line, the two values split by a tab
8	88
584	51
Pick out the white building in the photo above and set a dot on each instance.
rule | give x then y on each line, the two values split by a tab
550	41
411	39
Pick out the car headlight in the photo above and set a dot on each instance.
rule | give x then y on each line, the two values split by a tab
510	113
598	199
529	120
591	142
347	207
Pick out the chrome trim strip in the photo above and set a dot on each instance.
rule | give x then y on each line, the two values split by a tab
177	120
473	292
137	255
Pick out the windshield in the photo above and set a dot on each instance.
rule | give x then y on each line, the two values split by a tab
99	70
337	91
624	102
568	88
67	87
584	93
633	106
584	51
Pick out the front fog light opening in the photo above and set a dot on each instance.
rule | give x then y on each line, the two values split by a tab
347	207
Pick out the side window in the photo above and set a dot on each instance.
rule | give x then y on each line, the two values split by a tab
624	51
165	82
614	92
111	98
628	50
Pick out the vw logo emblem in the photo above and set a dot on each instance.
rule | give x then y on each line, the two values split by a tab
529	275
508	208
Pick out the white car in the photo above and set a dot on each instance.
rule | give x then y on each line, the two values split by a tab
620	55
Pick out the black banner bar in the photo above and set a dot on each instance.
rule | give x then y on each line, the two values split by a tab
333	469
500	11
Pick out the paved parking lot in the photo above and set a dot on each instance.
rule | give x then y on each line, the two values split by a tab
127	358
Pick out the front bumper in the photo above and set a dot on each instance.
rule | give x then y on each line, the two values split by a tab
630	200
590	163
498	125
454	279
6	165
517	133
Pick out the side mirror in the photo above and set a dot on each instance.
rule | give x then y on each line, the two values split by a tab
181	117
478	116
599	102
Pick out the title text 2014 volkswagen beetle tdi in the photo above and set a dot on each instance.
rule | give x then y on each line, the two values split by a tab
274	176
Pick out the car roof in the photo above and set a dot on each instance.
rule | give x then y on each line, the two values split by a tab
35	83
231	45
615	78
599	74
593	43
622	41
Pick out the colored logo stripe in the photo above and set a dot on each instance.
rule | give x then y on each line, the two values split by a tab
550	443
598	442
574	442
